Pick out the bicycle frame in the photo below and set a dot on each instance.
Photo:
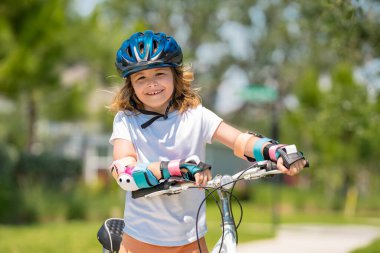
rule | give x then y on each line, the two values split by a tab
226	242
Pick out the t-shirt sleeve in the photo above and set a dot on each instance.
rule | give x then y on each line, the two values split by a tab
210	122
120	128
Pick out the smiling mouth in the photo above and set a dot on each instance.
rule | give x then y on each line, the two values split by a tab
154	92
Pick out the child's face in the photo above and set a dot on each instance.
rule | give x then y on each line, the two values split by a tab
154	88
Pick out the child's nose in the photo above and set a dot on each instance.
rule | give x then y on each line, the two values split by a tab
152	81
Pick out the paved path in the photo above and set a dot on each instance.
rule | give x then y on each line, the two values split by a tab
314	239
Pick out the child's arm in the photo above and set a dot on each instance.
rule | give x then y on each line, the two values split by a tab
123	149
231	137
131	175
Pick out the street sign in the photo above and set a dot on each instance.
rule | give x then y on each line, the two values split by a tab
259	94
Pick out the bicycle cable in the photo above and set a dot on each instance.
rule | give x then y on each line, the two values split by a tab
232	215
197	218
200	206
198	212
241	208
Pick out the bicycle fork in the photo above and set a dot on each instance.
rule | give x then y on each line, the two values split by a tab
228	239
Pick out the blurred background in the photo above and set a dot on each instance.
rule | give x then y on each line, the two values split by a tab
302	72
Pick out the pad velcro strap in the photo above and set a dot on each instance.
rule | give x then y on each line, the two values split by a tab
257	147
273	154
266	151
164	169
174	169
240	143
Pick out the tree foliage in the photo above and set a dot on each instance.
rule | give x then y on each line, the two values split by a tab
293	46
42	40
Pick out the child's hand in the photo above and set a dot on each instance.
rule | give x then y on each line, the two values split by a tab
192	166
294	169
202	177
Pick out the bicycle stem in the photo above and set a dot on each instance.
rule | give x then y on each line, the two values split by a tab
227	242
226	209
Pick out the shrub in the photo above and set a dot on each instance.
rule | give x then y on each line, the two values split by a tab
9	194
51	170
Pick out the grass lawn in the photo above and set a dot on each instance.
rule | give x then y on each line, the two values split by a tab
51	237
372	248
80	236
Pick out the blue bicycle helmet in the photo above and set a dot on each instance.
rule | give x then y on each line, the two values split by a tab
145	50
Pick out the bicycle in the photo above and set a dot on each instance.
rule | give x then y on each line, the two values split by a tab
109	235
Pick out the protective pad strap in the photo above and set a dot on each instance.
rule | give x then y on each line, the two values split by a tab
257	148
174	169
164	169
273	154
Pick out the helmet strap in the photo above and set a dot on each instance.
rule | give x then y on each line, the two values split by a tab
156	114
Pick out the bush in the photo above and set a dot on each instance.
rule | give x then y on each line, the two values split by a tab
31	186
9	194
51	170
5	176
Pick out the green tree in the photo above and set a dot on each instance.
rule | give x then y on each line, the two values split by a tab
29	66
42	40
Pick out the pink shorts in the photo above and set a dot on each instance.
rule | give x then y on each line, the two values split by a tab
131	245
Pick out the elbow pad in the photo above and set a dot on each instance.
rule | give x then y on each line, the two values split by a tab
134	178
124	172
126	181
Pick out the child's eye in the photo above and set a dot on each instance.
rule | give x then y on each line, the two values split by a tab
160	74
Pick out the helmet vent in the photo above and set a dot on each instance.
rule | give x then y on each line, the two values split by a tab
141	47
155	46
129	52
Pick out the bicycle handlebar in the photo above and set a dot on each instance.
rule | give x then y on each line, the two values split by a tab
176	185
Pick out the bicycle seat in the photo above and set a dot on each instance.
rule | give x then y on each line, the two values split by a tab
110	234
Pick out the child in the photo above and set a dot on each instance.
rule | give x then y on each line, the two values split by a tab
160	120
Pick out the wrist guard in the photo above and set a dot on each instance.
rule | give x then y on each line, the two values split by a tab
290	155
270	152
186	168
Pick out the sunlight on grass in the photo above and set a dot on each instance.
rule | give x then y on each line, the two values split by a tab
52	237
80	236
371	248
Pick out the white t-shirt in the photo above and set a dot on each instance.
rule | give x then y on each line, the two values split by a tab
166	220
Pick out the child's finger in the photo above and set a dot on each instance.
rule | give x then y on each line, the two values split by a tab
205	179
199	178
281	167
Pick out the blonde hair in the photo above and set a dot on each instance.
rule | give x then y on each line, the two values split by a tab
186	97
